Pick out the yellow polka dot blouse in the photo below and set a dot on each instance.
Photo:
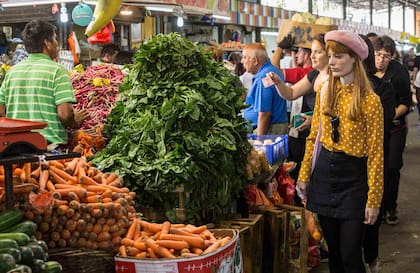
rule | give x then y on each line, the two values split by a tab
357	138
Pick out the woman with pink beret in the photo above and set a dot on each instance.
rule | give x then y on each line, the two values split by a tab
342	170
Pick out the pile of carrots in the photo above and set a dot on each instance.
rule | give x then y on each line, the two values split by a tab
87	142
167	240
76	205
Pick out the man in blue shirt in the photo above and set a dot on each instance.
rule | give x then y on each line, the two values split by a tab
267	110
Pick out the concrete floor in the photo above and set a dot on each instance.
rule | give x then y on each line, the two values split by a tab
399	249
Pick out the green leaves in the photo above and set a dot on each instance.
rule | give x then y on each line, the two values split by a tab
177	122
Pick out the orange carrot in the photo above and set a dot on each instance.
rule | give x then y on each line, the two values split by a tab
137	234
225	240
151	253
127	242
132	229
141	255
189	255
99	189
160	251
57	179
44	177
132	251
56	163
151	227
140	245
71	165
213	247
110	178
50	186
123	251
183	231
198	230
177	245
94	199
35	173
63	174
110	206
86	180
196	250
58	202
166	226
118	182
192	241
74	204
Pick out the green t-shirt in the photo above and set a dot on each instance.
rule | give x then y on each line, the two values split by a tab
33	88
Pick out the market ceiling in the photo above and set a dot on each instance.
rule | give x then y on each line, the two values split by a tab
379	4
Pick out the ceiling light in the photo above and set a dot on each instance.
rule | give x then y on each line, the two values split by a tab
227	18
126	12
269	33
33	3
162	9
180	21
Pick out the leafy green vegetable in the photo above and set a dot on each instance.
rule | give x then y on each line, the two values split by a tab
177	123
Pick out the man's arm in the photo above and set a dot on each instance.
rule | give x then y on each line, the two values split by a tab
2	110
264	119
69	118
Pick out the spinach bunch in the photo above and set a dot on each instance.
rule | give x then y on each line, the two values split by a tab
177	123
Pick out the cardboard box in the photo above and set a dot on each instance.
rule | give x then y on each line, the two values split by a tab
302	32
227	259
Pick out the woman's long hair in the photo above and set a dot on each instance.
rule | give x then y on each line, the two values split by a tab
361	84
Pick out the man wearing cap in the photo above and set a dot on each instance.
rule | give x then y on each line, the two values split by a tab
342	170
395	73
267	110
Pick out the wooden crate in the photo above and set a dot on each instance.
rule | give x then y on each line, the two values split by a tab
244	241
275	259
255	222
297	239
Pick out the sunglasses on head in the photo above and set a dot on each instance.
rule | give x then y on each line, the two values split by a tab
335	135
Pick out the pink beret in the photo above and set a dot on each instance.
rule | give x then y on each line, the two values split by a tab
351	40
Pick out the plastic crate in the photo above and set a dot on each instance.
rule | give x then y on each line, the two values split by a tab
276	150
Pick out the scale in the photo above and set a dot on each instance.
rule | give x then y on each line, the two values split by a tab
16	137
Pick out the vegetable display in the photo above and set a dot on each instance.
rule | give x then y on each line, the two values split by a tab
96	90
177	123
167	240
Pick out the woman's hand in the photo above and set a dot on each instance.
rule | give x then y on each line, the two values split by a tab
301	190
306	124
275	78
371	214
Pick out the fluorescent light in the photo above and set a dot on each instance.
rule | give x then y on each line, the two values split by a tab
126	12
32	3
269	33
162	9
180	21
227	18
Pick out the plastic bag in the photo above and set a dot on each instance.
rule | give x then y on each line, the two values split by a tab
104	36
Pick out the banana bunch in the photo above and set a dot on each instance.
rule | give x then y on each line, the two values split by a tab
104	11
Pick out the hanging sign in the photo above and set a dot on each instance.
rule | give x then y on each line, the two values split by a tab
82	14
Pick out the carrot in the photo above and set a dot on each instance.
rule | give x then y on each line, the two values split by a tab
72	196
213	247
110	206
132	229
36	172
62	209
97	188
151	253
177	225
27	167
141	255
63	174
17	171
182	231
74	204
81	193
160	251
197	250
58	202
120	190
56	163
104	236
66	186
198	230
225	240
189	255
71	166
140	245
94	199
151	227
137	234
43	180
127	242
166	226
123	251
107	200
110	178
118	182
132	251
86	180
192	241
177	245
57	179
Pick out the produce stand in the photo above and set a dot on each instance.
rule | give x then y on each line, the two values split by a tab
8	161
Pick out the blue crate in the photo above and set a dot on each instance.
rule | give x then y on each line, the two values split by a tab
274	151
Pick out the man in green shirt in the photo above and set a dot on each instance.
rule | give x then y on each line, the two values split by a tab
40	89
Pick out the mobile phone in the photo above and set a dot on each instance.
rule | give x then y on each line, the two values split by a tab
297	119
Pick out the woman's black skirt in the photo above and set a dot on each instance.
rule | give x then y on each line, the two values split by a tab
338	186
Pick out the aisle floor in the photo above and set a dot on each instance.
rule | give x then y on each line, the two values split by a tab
399	249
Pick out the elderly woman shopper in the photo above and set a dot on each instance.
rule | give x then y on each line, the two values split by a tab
342	170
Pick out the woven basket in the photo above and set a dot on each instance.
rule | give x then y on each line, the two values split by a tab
83	260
